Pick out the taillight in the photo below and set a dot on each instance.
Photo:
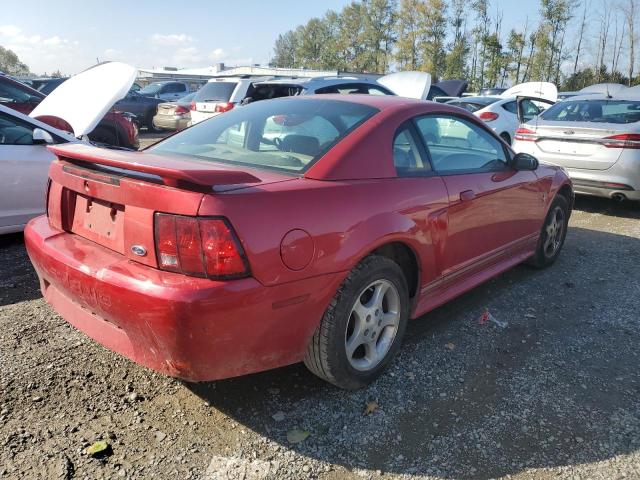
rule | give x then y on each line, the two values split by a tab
223	107
199	247
488	116
181	110
525	135
623	140
192	106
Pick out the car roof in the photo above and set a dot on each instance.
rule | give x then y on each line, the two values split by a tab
482	99
622	95
316	82
380	102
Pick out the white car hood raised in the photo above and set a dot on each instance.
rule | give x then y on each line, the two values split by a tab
85	98
408	84
543	90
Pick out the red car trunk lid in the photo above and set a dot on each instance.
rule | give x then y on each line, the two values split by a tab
110	196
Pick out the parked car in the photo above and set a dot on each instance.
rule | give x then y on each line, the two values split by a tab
219	95
46	85
595	137
144	108
501	112
115	128
166	91
222	94
174	115
24	157
606	88
222	251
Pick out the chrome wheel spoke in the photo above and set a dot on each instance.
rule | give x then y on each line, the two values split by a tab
373	324
390	319
378	295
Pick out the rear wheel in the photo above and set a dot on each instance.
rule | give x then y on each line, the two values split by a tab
151	128
104	135
553	233
362	329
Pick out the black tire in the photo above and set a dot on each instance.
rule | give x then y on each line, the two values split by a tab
326	354
104	135
544	256
151	128
505	136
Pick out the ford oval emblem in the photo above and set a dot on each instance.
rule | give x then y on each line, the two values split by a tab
139	250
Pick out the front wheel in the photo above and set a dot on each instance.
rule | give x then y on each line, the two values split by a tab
362	329
553	233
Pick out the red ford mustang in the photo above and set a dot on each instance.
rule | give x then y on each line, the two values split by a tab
294	229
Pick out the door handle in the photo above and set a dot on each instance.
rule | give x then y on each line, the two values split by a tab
467	195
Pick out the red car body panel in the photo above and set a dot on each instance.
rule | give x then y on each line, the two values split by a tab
301	236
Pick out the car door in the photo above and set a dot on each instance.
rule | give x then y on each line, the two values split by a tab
494	210
25	168
527	108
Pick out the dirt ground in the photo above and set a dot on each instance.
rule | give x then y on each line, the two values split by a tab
554	394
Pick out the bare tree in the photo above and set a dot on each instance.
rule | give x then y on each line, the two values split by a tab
630	9
583	26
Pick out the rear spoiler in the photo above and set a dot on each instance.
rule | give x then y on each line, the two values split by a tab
173	171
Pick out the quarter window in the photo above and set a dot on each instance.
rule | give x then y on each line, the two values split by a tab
459	146
406	154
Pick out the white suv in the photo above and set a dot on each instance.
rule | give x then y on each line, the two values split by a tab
217	96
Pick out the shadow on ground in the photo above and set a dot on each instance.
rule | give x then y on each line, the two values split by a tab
557	387
19	281
604	206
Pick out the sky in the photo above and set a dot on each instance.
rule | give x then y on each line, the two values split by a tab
71	35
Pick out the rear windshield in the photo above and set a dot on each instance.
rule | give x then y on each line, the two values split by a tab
286	134
595	111
469	106
473	104
216	92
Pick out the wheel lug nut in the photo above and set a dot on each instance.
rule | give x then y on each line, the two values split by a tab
368	319
366	332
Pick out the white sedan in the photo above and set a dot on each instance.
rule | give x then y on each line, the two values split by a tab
501	112
24	157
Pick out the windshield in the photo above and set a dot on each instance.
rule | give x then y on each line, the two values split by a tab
216	92
594	111
284	134
151	89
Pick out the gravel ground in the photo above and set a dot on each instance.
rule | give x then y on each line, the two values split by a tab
554	394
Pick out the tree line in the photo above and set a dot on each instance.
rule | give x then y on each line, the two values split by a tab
572	43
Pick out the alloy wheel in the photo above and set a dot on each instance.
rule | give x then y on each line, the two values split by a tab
373	324
554	232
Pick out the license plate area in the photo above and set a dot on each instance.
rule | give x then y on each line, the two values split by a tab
99	221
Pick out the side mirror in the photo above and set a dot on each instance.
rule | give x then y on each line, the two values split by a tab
524	161
42	137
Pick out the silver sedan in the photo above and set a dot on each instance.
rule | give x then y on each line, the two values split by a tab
596	138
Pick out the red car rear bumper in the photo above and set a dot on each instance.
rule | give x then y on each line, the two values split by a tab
191	328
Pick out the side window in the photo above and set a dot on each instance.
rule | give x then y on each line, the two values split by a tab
529	110
14	132
459	146
511	107
234	135
406	154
